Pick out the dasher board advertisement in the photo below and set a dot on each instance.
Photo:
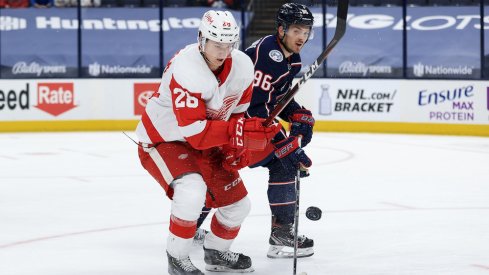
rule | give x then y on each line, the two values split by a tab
405	101
453	102
358	100
83	99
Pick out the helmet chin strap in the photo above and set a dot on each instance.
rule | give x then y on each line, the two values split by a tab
282	39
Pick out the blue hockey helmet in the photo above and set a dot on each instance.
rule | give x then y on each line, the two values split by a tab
293	13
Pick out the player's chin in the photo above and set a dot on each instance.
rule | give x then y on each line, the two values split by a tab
298	47
220	61
217	61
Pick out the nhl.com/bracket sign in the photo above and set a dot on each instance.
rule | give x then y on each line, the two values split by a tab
55	98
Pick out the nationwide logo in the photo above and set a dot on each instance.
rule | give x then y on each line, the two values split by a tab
96	69
420	70
8	23
35	68
142	93
55	98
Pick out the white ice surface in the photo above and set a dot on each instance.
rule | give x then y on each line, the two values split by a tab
80	203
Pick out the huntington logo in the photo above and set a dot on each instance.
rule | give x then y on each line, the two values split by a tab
418	70
94	69
8	23
55	98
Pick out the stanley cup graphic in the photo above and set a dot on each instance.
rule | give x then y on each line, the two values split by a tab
325	101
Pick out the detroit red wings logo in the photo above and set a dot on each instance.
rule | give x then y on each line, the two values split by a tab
209	18
223	112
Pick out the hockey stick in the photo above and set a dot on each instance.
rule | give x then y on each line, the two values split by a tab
296	211
341	14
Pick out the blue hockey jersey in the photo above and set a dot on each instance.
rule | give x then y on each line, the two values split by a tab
273	77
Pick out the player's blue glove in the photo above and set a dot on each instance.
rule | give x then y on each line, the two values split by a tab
292	157
302	125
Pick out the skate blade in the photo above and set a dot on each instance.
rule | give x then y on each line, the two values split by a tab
220	268
279	252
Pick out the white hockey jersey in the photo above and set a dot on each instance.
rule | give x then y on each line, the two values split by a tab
192	104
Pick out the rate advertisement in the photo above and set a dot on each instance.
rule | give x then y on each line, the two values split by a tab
84	99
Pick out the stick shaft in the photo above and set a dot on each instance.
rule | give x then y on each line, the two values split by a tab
341	14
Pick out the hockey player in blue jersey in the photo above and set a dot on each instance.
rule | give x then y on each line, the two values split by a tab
277	61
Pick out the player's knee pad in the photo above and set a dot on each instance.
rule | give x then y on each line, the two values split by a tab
189	197
233	215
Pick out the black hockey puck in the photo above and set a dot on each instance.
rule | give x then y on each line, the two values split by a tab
313	213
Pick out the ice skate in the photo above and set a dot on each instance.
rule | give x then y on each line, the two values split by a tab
182	266
226	261
282	243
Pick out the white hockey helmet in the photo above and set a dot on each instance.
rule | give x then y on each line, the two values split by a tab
218	26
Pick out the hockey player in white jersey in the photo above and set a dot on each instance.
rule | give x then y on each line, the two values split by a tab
192	128
277	61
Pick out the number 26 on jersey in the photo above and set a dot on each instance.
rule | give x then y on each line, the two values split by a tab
184	99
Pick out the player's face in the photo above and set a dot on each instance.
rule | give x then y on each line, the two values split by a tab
296	36
217	52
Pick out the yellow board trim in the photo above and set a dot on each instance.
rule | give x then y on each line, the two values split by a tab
321	126
403	128
67	125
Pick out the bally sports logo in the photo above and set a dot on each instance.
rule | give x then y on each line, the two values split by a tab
142	93
55	98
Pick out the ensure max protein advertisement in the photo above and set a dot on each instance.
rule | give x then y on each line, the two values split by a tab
411	101
452	102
